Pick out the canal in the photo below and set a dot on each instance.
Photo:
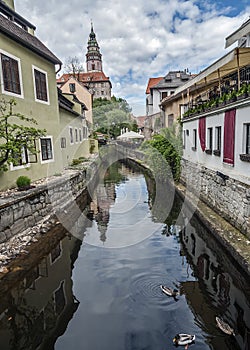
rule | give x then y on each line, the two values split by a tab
99	288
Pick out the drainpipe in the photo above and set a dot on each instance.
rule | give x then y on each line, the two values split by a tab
60	67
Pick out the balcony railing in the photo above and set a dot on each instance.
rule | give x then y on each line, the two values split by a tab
217	99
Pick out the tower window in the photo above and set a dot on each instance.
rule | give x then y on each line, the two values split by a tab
93	67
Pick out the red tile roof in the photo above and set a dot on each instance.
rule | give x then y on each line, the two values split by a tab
152	82
140	121
84	77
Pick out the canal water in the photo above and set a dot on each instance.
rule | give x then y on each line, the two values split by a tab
99	288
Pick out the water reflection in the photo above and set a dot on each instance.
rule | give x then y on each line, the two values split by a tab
222	287
87	297
38	309
121	210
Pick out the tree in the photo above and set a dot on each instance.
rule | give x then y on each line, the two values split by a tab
73	66
14	136
167	144
110	116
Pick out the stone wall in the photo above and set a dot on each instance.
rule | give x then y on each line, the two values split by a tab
23	210
226	196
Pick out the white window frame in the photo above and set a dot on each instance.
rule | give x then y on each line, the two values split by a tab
52	150
23	166
19	71
34	84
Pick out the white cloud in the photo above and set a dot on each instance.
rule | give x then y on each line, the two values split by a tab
137	39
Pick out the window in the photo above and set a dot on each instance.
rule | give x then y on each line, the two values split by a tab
217	150
21	157
194	148
40	83
72	87
246	144
209	140
164	94
71	135
85	132
80	135
247	127
170	120
46	149
63	142
10	69
76	135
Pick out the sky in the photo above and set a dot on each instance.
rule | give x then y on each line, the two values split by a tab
138	39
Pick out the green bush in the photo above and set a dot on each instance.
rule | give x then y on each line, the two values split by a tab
23	181
76	161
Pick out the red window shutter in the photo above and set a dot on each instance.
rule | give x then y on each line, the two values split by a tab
202	133
229	136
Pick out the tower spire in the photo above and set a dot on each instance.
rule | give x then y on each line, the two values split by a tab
93	55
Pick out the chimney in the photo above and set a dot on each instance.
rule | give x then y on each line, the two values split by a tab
10	3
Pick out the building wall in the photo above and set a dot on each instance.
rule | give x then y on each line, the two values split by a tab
47	115
173	110
80	147
10	3
241	170
82	94
223	187
156	101
229	198
101	90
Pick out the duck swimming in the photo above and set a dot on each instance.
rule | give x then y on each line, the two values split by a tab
224	326
169	291
183	339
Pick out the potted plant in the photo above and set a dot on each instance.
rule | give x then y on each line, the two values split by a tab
23	183
243	92
222	99
231	97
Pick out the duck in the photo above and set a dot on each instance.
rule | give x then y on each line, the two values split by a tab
169	291
183	339
224	326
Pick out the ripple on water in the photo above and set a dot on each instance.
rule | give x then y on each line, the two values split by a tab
145	289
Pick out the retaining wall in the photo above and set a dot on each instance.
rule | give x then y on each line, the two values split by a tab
23	210
226	196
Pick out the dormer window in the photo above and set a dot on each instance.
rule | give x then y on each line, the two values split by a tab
72	87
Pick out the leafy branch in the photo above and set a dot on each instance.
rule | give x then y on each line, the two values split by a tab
16	134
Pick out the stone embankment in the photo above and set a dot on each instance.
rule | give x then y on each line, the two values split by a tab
26	216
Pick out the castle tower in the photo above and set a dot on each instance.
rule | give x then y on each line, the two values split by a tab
93	55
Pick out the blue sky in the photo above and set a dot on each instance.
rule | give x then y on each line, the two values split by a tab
138	39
